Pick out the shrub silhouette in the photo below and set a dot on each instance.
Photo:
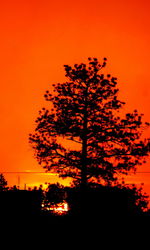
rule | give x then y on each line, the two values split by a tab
107	201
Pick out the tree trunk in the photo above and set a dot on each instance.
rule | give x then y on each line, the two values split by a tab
84	165
84	146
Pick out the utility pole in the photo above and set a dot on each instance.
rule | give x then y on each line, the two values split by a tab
18	181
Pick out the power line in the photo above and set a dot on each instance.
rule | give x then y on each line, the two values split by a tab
15	172
143	172
55	174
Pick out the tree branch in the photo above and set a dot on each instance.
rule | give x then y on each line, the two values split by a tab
70	139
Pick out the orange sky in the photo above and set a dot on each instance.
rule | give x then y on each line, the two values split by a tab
38	38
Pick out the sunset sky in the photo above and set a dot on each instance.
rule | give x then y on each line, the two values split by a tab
38	38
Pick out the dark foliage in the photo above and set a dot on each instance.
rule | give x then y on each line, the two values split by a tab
85	110
55	193
3	183
101	202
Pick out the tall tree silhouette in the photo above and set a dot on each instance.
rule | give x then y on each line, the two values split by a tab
86	111
3	183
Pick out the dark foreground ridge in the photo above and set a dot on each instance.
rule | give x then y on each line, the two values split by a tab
91	207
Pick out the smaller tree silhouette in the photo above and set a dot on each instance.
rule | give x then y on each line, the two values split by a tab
3	183
55	193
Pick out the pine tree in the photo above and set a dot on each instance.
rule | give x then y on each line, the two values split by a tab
85	109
